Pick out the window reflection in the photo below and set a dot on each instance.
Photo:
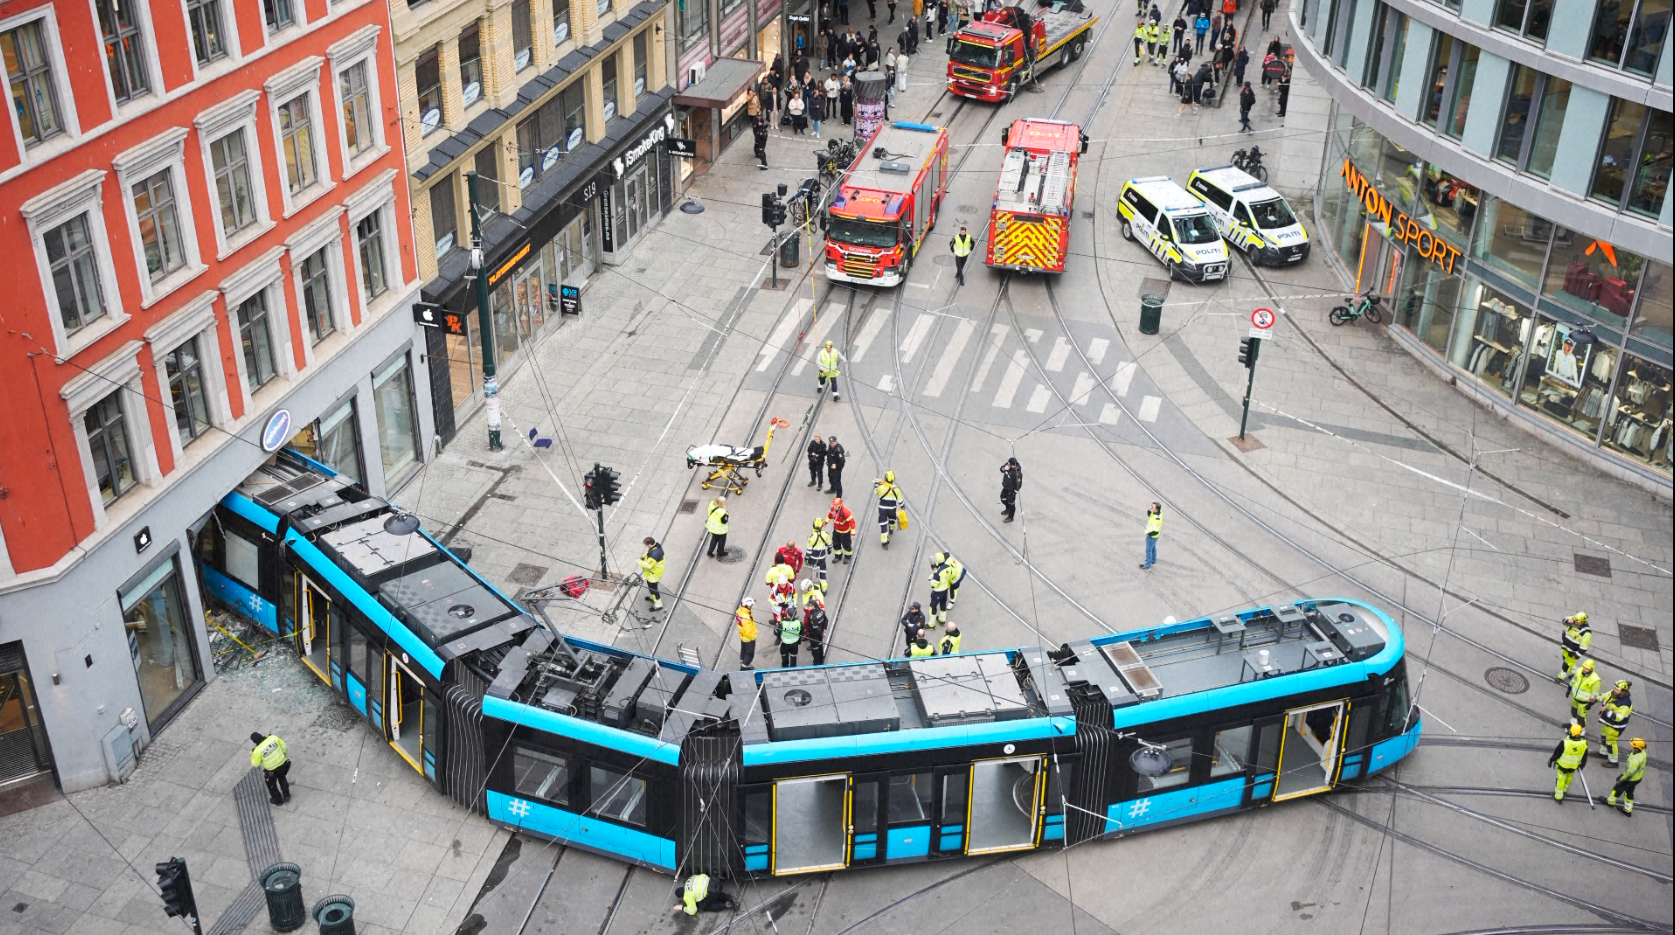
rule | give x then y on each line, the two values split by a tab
1592	277
1639	422
1511	240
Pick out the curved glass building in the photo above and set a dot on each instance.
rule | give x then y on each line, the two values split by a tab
1500	170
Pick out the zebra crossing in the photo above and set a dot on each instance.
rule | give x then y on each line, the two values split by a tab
1014	375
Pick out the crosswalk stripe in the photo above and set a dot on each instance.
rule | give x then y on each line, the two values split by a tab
1079	394
950	357
916	336
812	346
1009	382
1096	350
1149	407
1125	376
997	337
1061	351
868	333
1110	414
1038	399
887	383
782	333
1032	334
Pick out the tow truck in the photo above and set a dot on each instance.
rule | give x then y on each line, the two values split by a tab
886	204
1029	223
990	58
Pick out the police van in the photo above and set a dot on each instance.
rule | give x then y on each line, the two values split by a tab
1174	226
1253	217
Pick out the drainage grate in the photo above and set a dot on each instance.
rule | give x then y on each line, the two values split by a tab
1593	565
1087	215
1154	287
732	556
529	575
1510	681
1638	637
968	209
688	506
509	498
20	907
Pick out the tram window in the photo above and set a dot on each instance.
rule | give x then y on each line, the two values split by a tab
1360	719
428	720
865	808
910	797
1229	754
287	598
618	796
244	560
540	775
1268	747
357	652
1396	705
758	815
953	798
1180	768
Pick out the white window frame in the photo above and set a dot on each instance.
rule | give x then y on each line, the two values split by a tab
262	274
299	20
71	137
238	114
164	152
301	78
324	233
154	71
360	47
195	320
229	36
376	196
117	373
83	194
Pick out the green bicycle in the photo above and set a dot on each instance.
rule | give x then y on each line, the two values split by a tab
1365	304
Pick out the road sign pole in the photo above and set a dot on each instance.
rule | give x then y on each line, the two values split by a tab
1250	381
485	323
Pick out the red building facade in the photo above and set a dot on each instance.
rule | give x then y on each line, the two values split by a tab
205	206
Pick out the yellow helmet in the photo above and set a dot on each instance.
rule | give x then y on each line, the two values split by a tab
1575	730
889	477
938	559
1580	616
1623	684
819	521
828	343
1587	665
1637	743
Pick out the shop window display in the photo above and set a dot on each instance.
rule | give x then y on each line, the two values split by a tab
1639	423
1568	376
1427	300
1655	318
1398	176
156	619
1492	333
1451	205
1592	277
1511	241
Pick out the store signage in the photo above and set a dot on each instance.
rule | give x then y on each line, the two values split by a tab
679	147
607	233
427	314
454	323
277	431
796	17
511	262
635	153
570	300
142	539
1400	226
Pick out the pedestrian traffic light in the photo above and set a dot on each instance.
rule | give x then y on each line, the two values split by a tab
610	485
591	488
768	209
176	886
779	213
1248	349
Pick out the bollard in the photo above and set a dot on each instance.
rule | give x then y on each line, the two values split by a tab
282	885
336	915
1151	313
790	250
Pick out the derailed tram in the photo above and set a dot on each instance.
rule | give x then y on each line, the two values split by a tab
820	768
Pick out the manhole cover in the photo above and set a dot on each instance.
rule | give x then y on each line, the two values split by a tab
527	574
968	209
732	556
1593	565
688	506
1638	637
942	259
1507	680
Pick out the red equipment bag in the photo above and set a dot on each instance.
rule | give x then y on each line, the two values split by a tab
574	586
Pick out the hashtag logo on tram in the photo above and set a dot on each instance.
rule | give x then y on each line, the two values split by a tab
1139	808
519	807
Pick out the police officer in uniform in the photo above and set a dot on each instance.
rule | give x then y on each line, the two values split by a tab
913	621
828	371
269	753
1011	481
716	525
1634	770
1614	712
814	630
1584	691
1569	756
961	244
819	546
698	896
816	463
651	571
950	642
1573	645
843	531
836	457
889	501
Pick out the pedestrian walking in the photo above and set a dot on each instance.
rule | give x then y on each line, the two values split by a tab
270	754
1570	755
699	896
651	572
843	11
716	525
872	9
1200	80
1285	90
815	624
846	97
1634	770
1247	100
1584	691
836	458
843	531
1573	644
1154	528
1215	30
949	644
892	5
790	637
1615	710
939	588
819	548
816	463
1178	27
1239	62
1200	29
745	619
1179	74
1011	481
961	245
889	502
1267	12
828	371
752	104
759	138
913	621
921	646
817	112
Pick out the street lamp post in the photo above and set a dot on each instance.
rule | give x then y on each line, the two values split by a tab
485	324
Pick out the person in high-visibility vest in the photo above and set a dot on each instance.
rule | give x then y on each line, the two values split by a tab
961	245
1154	528
950	642
270	754
716	525
828	371
843	531
1634	770
1573	644
920	647
782	590
889	501
745	619
1142	32
1569	756
1158	41
939	589
819	546
790	637
1614	712
1584	691
956	577
651	572
813	595
699	896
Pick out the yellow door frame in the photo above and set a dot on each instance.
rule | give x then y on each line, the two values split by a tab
848	824
393	712
1035	812
307	633
1342	704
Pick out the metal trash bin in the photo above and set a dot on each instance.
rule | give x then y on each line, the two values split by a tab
790	250
1151	313
282	885
336	915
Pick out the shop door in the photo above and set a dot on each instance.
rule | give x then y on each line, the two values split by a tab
530	295
636	205
1005	805
811	824
1310	745
23	741
407	713
314	634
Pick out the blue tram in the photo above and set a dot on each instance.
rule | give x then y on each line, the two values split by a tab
791	771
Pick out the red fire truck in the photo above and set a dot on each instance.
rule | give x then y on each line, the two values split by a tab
886	204
1029	225
990	58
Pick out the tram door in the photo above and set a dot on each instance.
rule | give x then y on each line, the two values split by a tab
1311	743
314	627
406	713
1005	804
811	824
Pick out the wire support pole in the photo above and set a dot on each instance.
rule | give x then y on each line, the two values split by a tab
485	325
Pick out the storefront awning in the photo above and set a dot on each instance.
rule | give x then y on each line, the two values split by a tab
724	80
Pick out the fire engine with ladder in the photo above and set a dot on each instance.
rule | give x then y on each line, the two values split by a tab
886	205
1029	225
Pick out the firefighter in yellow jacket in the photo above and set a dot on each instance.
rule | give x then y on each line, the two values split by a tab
1569	756
651	572
1573	644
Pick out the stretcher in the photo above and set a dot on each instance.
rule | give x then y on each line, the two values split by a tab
728	460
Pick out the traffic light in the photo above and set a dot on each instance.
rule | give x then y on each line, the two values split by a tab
591	489
176	885
610	485
768	209
779	213
1248	349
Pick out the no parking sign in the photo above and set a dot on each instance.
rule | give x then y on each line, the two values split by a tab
1262	323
